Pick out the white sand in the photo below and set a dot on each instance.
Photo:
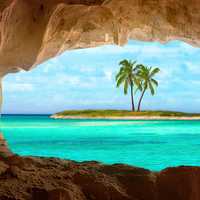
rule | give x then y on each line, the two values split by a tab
127	118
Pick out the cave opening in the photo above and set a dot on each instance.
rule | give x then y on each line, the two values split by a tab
62	82
84	80
106	131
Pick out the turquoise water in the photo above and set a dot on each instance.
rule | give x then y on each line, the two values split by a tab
150	144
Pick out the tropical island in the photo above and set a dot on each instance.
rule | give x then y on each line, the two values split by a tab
134	78
124	114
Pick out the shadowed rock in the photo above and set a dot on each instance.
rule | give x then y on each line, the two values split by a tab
4	150
34	178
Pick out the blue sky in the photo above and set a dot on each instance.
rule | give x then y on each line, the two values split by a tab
85	78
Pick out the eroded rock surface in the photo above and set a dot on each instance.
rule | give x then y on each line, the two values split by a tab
34	178
4	150
32	31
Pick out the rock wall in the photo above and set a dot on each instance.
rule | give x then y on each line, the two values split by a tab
34	178
4	150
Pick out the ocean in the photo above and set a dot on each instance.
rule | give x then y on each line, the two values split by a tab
152	144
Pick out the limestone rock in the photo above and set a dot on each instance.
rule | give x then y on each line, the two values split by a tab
35	30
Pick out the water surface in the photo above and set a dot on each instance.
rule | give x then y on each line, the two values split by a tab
153	144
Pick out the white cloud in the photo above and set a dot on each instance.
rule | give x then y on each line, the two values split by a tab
86	69
193	67
141	49
108	74
46	68
67	79
19	87
195	83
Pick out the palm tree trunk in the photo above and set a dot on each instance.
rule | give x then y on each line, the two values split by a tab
140	100
132	100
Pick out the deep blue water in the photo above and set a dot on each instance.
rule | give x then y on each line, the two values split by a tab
153	144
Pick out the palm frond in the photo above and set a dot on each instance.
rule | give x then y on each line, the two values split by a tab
120	80
126	87
138	83
120	73
154	71
154	82
124	62
151	88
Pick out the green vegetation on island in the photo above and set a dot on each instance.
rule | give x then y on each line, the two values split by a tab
122	113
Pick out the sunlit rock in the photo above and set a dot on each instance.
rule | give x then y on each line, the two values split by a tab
34	31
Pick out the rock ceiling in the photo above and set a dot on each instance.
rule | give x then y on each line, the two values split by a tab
32	31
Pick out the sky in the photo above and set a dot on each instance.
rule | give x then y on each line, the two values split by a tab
85	79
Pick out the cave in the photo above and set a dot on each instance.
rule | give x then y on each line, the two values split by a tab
33	31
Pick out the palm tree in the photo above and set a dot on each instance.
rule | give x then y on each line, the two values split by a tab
127	76
147	81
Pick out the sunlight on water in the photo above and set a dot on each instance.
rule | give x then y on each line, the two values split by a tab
151	144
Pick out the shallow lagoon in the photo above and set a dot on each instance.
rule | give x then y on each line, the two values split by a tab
153	144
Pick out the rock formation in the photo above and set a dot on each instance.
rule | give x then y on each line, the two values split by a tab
4	150
32	31
34	178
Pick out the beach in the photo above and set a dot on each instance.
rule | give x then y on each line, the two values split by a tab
125	117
